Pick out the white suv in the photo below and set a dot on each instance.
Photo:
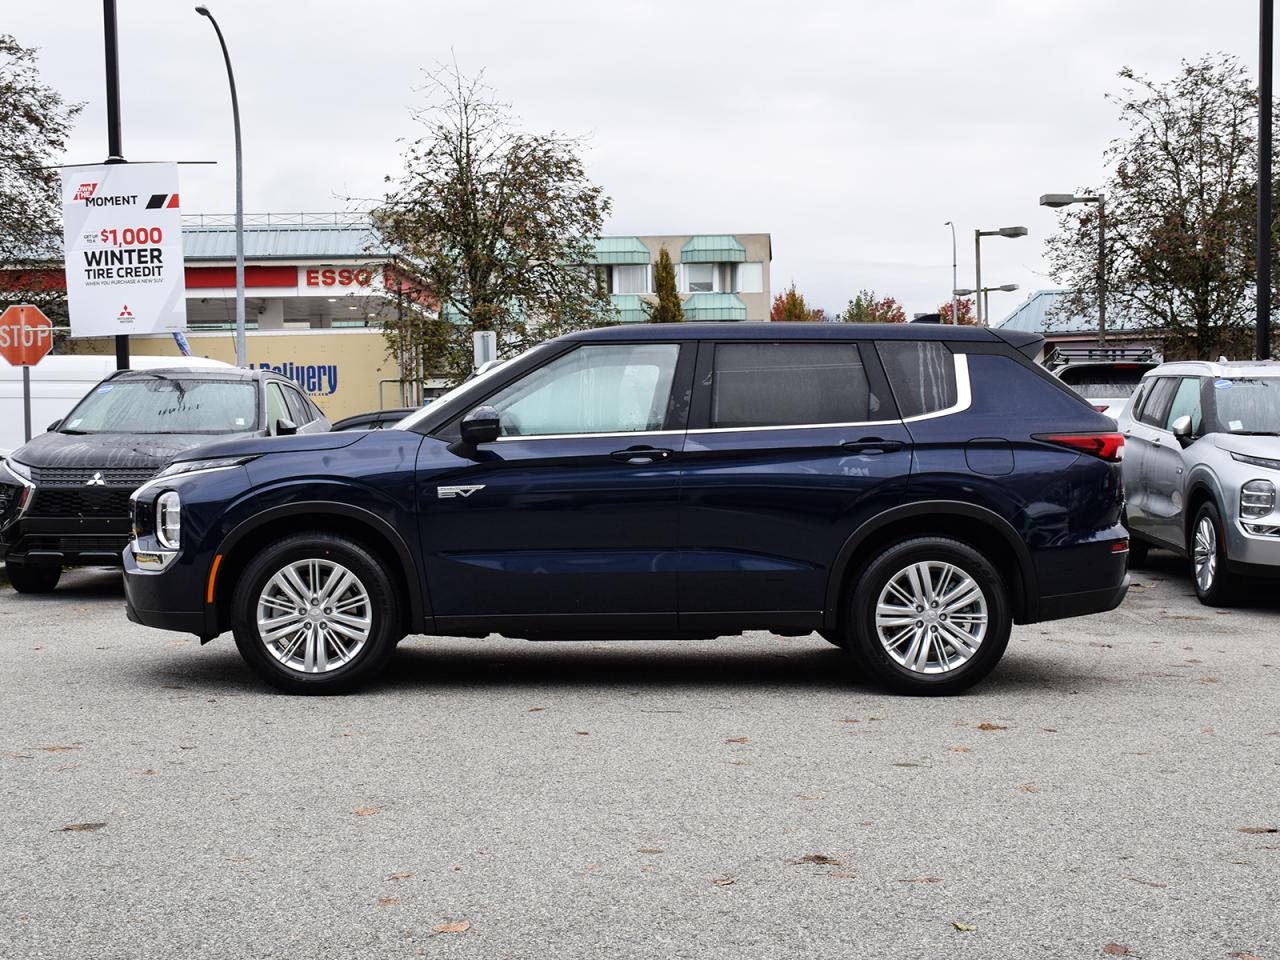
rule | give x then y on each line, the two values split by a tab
1201	468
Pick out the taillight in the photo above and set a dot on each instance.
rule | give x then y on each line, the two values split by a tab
1100	407
1104	446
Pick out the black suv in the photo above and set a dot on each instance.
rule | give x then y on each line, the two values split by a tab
64	497
908	491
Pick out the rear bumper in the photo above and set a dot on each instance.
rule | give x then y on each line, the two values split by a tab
1063	605
1081	578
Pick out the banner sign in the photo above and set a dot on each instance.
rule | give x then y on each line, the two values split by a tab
122	240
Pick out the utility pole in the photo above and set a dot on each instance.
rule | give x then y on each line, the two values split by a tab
115	150
1262	333
955	301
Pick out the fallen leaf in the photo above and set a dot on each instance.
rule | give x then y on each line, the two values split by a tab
875	718
959	749
58	749
740	763
965	927
850	720
1206	730
724	881
1208	679
1049	729
1029	788
388	901
583	733
536	709
921	880
1241	955
402	876
819	858
458	926
148	772
808	796
10	755
991	726
1147	883
737	740
906	763
366	811
1259	830
1116	950
81	827
650	850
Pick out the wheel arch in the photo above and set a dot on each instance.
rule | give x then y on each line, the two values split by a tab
984	529
1199	491
368	529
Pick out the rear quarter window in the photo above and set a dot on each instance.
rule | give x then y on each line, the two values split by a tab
922	375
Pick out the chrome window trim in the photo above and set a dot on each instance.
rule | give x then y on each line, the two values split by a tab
964	399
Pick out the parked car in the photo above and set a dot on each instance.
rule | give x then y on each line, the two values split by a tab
374	420
1203	464
1105	376
64	497
910	491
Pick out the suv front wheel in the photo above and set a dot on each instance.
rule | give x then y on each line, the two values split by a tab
34	577
929	616
1208	552
315	613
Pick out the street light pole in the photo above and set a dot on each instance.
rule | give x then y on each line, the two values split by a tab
983	320
115	150
1056	200
1262	332
235	116
955	303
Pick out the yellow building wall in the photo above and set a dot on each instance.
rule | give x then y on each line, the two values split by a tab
340	370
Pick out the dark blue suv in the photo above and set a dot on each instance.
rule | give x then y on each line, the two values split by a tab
910	492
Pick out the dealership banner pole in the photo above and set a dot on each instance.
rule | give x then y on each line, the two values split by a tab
115	150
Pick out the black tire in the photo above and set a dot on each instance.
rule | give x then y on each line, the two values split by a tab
34	577
382	607
1137	552
1220	587
863	639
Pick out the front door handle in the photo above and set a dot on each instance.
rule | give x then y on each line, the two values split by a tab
641	455
873	445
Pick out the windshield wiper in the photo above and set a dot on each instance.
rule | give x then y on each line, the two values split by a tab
1254	433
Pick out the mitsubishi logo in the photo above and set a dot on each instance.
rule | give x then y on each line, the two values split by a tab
448	493
96	480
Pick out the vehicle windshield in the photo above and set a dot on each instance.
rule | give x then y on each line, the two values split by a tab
1095	382
1247	405
160	404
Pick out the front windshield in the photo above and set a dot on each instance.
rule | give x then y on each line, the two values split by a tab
1247	405
160	404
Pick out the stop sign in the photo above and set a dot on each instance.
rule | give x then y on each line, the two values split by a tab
26	335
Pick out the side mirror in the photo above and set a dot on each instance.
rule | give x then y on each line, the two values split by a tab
1182	430
285	428
53	426
481	425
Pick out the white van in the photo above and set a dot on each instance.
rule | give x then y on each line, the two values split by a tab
58	383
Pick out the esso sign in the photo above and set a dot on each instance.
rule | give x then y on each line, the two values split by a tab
26	335
315	277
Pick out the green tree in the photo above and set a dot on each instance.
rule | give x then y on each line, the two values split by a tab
790	307
497	224
667	309
34	124
1180	213
870	307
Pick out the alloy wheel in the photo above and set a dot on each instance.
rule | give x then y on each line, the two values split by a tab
1204	554
931	617
314	616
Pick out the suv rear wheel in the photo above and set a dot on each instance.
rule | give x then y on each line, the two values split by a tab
34	577
1214	585
929	616
315	613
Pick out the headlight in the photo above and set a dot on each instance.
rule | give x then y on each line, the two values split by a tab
1256	461
17	469
1257	498
191	466
169	519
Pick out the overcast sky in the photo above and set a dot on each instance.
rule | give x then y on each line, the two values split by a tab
850	131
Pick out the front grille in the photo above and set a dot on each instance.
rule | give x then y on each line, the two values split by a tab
56	501
133	477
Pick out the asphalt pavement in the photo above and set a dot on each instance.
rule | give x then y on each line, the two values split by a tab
1106	792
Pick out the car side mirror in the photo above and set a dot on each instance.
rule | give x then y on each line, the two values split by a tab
1182	430
285	428
53	426
481	425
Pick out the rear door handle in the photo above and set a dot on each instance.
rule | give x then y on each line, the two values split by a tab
873	445
641	455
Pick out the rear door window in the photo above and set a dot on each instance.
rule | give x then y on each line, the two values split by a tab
790	384
922	375
1156	407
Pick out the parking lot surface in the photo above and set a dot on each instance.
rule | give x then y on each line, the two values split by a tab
1108	791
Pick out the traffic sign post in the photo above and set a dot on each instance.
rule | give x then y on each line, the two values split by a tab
26	336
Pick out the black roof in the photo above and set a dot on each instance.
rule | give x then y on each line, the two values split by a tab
792	331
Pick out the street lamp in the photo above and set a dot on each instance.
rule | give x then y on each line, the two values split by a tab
1056	200
235	116
977	256
985	293
955	304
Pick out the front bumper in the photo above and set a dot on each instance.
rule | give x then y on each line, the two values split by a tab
1251	554
68	541
148	595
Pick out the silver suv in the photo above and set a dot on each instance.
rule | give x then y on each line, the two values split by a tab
1202	462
